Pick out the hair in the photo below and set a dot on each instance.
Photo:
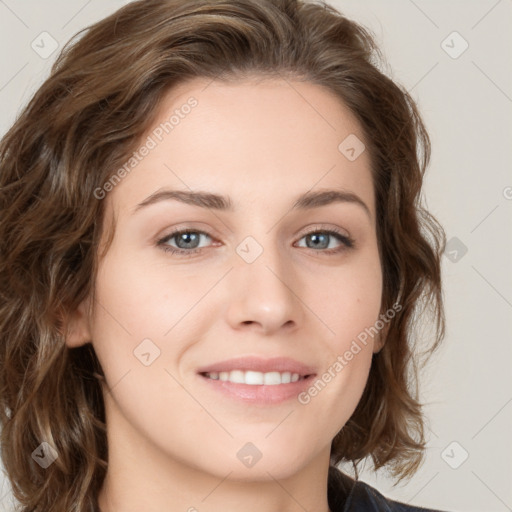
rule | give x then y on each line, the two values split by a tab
84	122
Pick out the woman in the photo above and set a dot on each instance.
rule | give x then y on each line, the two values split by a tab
212	259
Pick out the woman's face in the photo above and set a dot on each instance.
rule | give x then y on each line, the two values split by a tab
259	276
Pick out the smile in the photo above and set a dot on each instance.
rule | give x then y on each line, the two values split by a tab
254	378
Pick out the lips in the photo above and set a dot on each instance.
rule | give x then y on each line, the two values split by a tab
257	381
262	365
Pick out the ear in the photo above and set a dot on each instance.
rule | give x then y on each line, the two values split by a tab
378	344
380	339
76	327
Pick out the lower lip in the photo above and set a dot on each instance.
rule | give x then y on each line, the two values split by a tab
259	394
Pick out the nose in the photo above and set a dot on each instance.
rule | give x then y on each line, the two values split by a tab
264	295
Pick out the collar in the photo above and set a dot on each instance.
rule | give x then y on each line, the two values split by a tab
344	494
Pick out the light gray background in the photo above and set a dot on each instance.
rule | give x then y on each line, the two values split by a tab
467	105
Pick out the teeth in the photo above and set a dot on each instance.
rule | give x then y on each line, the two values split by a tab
255	378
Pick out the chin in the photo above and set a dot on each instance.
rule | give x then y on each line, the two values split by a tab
263	471
245	461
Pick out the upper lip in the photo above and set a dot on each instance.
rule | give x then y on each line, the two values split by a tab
258	364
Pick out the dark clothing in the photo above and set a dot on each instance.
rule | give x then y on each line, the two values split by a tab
348	495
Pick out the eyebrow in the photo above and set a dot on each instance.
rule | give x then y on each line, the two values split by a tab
209	200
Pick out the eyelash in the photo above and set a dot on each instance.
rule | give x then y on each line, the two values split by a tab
348	242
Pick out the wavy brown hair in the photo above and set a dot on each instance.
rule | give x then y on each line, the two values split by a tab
84	122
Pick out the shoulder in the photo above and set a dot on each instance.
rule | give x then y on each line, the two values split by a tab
358	496
367	498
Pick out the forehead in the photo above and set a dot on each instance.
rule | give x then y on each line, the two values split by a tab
261	139
260	104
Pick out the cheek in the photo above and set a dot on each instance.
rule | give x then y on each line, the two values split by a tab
133	313
350	302
146	316
140	299
125	323
349	309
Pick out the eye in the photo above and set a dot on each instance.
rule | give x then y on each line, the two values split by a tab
188	240
321	239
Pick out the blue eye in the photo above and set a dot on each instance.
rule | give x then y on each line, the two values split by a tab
188	241
319	238
188	238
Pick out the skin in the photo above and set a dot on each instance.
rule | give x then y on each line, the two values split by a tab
173	441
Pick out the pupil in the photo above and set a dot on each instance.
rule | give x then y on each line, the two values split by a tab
188	236
316	238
